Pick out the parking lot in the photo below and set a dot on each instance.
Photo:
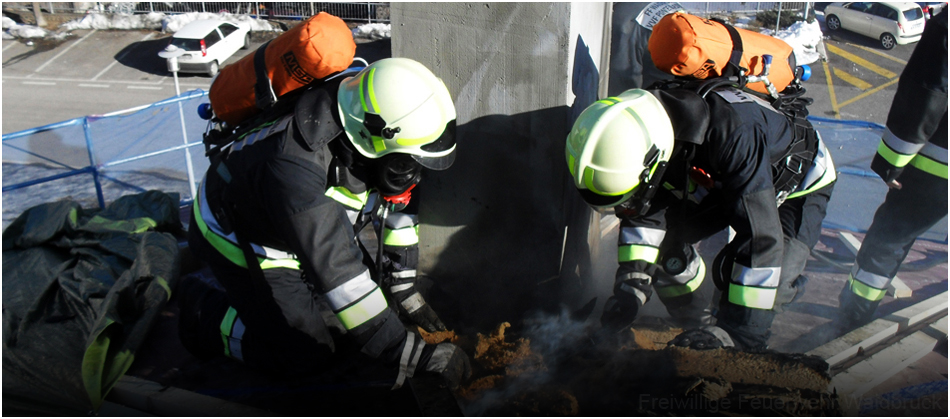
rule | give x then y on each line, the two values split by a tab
93	72
102	71
858	80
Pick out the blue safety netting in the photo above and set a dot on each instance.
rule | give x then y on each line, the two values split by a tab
97	159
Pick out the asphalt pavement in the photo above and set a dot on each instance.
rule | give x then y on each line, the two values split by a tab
95	72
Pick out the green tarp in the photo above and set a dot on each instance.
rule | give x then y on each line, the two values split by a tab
80	290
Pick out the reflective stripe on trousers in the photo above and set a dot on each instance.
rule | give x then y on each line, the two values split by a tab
232	332
867	285
686	282
754	287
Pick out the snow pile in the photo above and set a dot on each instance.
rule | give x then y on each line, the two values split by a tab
8	23
805	39
373	31
156	20
116	21
15	30
172	23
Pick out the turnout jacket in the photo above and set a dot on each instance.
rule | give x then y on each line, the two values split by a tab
916	131
722	176
281	189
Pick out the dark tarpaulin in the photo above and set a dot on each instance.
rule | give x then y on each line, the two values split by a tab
80	290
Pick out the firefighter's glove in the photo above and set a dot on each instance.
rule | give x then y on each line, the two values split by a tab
621	309
445	359
706	337
886	170
413	306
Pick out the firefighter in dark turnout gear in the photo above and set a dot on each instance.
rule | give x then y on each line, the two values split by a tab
679	167
277	220
912	160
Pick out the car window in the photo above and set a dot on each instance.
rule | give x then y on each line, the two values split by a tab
227	29
187	44
883	11
211	39
861	7
913	14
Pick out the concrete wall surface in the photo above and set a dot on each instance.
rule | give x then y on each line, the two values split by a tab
504	231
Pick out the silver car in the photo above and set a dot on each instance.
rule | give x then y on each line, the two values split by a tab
890	22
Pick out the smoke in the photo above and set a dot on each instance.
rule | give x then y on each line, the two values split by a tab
558	339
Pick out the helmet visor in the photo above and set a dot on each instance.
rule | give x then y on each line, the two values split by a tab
445	142
602	201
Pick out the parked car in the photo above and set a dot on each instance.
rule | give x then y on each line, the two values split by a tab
931	8
891	23
208	43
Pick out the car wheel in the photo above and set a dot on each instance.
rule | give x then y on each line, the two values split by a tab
247	41
888	41
213	69
833	23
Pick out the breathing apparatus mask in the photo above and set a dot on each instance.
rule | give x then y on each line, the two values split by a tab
393	175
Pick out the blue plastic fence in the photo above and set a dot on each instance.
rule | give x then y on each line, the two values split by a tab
96	159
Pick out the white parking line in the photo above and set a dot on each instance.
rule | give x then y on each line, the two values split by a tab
40	83
145	87
100	86
42	66
146	38
9	45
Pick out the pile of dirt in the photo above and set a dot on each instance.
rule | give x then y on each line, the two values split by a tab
637	374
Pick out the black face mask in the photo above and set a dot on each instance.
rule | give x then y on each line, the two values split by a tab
395	173
392	174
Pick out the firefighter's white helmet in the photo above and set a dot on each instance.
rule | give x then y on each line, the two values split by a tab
616	144
396	105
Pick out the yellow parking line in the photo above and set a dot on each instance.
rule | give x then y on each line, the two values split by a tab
874	51
867	93
831	89
854	81
861	61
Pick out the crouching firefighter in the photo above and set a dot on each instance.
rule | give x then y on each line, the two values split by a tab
682	162
278	216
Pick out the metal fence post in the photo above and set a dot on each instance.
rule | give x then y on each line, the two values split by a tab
92	162
778	18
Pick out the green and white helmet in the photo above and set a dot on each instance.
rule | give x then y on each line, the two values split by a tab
396	105
616	144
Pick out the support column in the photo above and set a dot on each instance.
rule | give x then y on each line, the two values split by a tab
504	231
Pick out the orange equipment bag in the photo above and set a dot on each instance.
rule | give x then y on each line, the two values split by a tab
312	50
687	45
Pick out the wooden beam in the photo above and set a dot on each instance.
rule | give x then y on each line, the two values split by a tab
897	288
864	376
863	338
155	399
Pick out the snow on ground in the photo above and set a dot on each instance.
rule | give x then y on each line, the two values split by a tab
373	31
156	20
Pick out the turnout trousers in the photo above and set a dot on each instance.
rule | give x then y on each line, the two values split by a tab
801	220
905	214
273	323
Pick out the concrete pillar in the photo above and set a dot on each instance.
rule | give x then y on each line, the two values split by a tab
504	231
